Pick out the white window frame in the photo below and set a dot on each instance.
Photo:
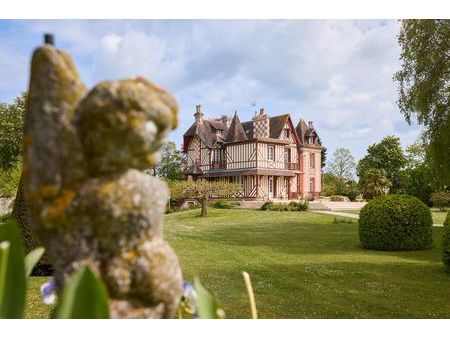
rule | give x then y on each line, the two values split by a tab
311	184
271	153
287	155
312	160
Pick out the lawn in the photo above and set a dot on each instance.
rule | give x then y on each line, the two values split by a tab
302	266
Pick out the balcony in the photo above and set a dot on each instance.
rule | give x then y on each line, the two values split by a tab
218	165
291	166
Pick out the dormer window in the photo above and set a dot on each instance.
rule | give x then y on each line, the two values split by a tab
287	133
218	132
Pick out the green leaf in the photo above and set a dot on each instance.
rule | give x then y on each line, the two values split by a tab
207	303
4	256
83	297
12	272
32	258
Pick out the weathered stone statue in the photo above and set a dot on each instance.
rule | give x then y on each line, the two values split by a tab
89	201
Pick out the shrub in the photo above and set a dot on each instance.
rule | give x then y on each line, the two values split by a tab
395	222
292	206
266	205
342	220
9	181
337	198
441	199
222	204
446	242
299	206
353	194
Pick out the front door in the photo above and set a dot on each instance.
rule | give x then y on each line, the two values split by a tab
270	187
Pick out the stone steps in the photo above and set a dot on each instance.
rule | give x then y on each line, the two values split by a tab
317	205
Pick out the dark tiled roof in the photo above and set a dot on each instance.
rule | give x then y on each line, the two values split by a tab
248	128
276	125
303	131
236	131
206	131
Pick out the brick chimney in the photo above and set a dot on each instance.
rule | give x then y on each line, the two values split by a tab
198	114
261	125
310	125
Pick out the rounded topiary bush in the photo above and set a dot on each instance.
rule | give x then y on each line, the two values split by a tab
446	242
395	222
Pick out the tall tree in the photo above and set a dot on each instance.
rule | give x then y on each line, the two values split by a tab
170	166
323	154
417	178
342	166
424	86
11	127
387	155
374	183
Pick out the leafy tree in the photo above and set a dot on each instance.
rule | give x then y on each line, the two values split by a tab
386	155
417	178
424	86
342	166
323	154
11	126
203	190
441	200
329	184
9	180
374	183
169	168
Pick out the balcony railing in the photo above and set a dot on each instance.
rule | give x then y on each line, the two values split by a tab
218	164
291	166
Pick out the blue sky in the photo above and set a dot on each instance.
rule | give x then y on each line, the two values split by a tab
337	73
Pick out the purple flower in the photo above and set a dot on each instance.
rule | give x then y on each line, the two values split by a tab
189	299
48	292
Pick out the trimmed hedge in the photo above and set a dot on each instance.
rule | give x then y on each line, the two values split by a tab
292	206
222	204
394	223
446	242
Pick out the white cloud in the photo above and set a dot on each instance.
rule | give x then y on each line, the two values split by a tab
336	73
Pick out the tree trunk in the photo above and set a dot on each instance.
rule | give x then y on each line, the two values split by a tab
204	211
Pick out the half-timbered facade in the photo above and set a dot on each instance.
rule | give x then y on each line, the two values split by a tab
267	156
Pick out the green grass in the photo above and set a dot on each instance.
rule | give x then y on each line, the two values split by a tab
350	211
34	308
302	265
438	216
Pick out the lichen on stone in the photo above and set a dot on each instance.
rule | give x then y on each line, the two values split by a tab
89	200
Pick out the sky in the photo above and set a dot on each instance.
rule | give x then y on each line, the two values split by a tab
336	73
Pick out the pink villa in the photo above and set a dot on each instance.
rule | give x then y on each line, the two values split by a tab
269	157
